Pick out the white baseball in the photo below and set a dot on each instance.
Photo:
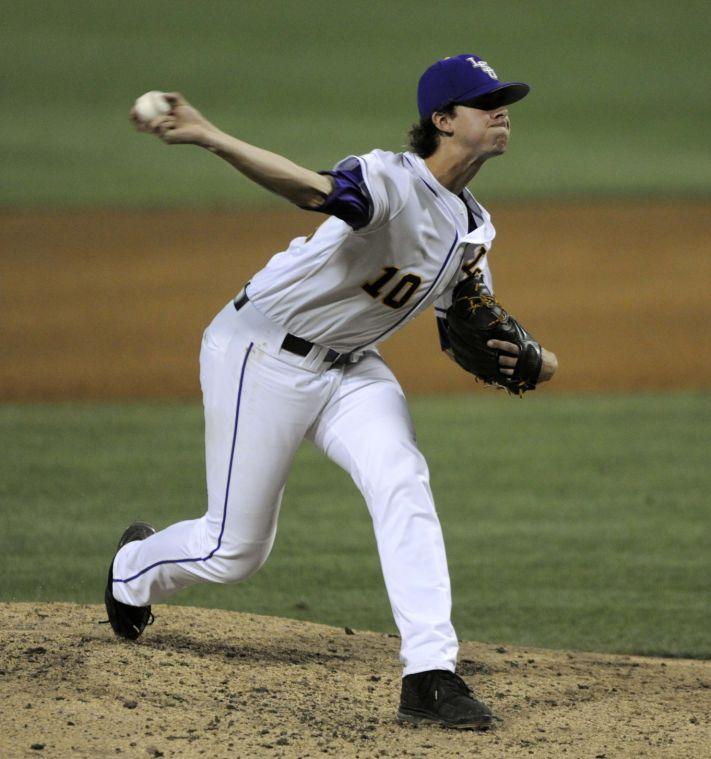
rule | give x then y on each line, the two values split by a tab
151	105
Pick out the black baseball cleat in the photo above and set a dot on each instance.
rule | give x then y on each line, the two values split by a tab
443	698
127	621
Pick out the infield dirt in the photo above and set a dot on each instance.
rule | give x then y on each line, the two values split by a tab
111	305
223	684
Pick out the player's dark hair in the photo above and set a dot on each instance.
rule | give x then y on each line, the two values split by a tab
423	137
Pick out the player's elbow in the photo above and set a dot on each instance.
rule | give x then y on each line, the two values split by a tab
309	199
313	194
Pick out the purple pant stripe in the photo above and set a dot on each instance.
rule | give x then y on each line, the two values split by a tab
227	489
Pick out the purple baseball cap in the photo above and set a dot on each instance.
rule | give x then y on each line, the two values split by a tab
466	79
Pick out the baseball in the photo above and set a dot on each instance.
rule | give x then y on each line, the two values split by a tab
151	105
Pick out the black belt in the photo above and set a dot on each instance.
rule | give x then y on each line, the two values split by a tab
298	345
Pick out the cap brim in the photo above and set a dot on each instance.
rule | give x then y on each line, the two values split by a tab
504	94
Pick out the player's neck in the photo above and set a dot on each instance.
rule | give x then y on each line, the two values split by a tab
452	170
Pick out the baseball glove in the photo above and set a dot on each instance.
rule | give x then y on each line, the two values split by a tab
473	319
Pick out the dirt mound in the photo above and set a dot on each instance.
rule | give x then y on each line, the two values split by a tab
217	683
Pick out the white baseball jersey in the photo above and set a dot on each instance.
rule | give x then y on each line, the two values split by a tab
349	289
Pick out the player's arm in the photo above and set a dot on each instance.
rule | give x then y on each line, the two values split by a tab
186	125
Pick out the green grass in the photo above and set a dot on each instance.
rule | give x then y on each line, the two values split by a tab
617	104
577	523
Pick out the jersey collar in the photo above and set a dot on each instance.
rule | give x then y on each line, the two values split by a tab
456	204
429	178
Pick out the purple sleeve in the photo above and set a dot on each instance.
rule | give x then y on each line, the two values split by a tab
350	199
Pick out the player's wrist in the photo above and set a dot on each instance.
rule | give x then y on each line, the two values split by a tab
211	138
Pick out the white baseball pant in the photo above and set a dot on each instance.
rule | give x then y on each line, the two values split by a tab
260	403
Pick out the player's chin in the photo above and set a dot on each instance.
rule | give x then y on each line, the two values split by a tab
501	142
498	148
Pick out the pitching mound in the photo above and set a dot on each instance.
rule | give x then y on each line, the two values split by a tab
219	684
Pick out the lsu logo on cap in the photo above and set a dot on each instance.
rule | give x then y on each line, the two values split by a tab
484	66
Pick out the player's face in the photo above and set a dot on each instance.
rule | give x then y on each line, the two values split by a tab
482	133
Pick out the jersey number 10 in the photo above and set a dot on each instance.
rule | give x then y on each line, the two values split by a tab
400	293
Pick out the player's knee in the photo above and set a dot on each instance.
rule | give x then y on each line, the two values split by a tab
241	564
254	562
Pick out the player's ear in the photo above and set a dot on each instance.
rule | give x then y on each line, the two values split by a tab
443	122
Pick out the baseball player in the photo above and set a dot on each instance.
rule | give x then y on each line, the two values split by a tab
295	356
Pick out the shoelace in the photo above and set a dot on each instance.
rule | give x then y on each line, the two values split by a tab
444	685
455	684
482	300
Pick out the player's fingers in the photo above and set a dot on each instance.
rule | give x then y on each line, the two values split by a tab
507	372
174	98
154	125
507	360
503	345
172	136
165	125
